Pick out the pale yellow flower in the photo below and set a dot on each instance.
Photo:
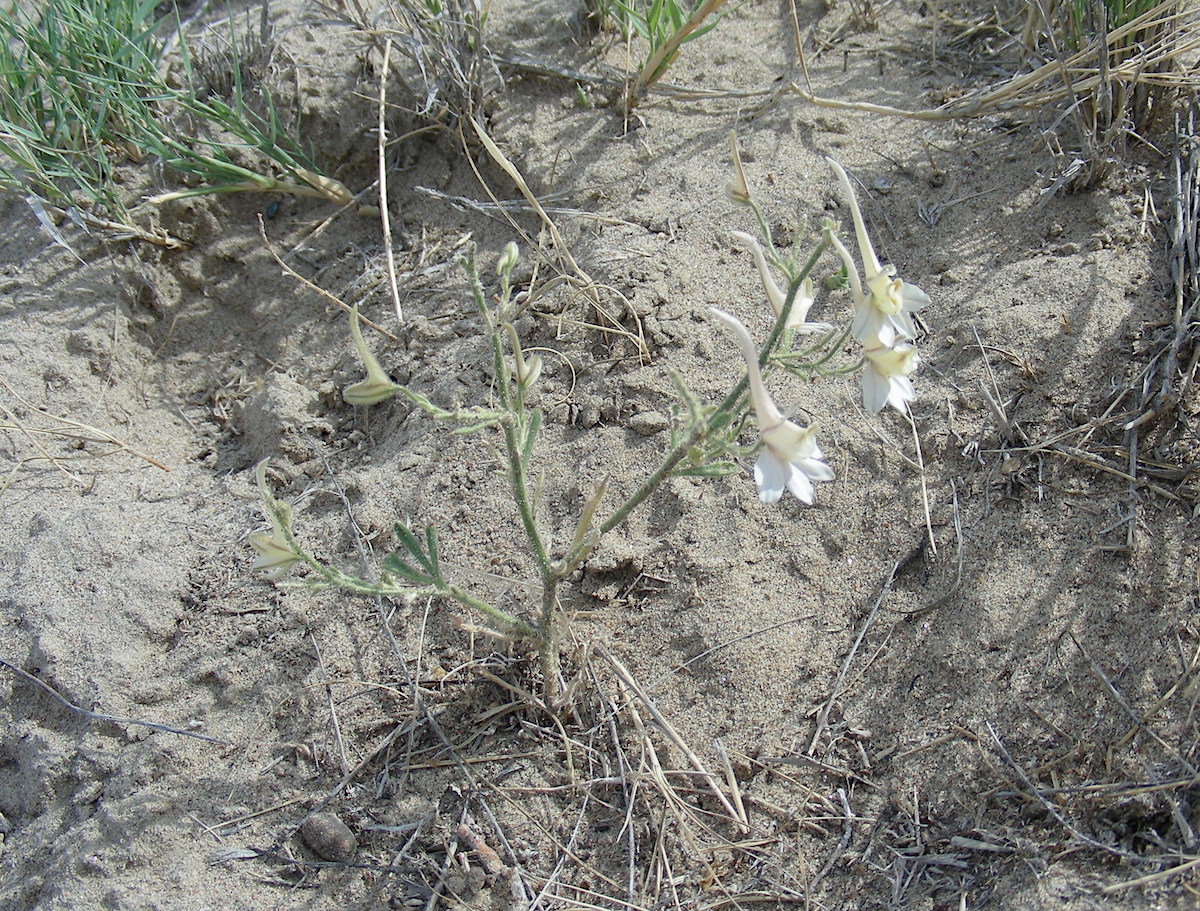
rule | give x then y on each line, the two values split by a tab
884	310
776	296
376	387
275	554
886	375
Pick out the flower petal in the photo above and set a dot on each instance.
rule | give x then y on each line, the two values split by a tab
876	389
802	303
816	469
789	442
869	322
770	475
274	556
799	484
914	298
900	392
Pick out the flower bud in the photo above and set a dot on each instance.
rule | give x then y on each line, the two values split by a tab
376	387
738	189
508	260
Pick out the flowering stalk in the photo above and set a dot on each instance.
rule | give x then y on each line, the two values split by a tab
514	374
724	414
790	456
883	315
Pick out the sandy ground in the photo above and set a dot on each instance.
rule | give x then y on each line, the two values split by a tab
994	708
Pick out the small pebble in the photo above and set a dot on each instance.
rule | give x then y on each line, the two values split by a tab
329	837
648	423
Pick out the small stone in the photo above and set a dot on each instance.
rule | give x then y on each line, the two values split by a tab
648	423
329	837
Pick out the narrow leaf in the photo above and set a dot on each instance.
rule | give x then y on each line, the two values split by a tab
393	564
412	545
431	546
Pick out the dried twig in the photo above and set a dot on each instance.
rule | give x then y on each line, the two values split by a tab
823	715
101	716
385	217
80	431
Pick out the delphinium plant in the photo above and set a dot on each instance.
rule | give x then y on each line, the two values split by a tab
708	438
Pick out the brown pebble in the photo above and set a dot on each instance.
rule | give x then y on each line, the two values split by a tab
329	837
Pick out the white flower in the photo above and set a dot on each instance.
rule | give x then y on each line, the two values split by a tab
275	554
884	310
886	375
790	456
776	296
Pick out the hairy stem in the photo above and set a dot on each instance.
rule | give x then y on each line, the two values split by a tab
507	619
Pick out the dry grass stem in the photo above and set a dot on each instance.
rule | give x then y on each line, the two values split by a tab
1084	72
583	282
668	729
385	217
83	433
337	302
101	716
822	722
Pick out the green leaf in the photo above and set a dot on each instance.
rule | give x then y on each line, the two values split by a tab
393	564
413	546
431	547
531	432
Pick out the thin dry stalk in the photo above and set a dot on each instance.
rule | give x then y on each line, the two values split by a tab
74	430
1172	368
337	302
101	716
385	217
334	721
668	729
1176	39
823	715
582	281
1123	703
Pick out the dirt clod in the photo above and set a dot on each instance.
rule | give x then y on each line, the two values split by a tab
329	837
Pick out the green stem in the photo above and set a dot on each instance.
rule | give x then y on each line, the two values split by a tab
521	494
517	626
514	419
723	414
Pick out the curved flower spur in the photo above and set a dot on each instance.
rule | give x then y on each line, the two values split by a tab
790	456
883	309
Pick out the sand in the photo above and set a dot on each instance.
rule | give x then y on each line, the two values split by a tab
965	685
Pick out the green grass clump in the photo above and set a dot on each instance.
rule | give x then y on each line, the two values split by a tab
83	89
665	25
1083	20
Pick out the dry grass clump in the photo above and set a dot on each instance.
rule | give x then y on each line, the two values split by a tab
1123	791
1111	78
1119	64
438	53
